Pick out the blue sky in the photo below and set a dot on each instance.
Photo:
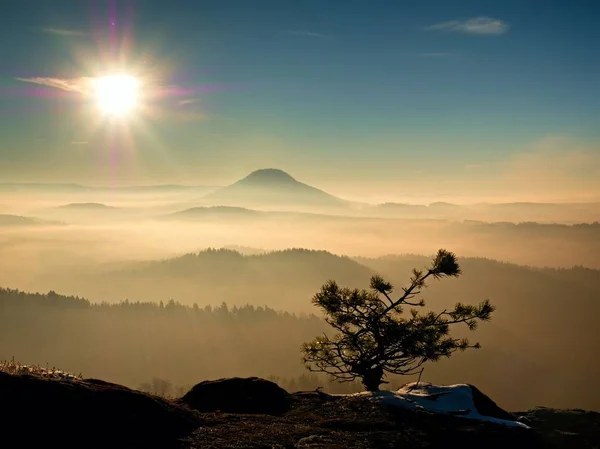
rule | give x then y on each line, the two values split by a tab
355	96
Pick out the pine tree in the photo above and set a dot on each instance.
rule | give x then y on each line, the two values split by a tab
374	337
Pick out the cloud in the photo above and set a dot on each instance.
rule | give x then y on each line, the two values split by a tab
66	32
553	168
188	101
554	158
549	168
477	25
305	33
79	85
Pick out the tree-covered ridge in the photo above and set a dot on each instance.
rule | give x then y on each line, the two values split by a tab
132	341
544	327
15	298
214	275
323	257
214	255
285	280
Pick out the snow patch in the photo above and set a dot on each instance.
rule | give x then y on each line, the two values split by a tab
455	400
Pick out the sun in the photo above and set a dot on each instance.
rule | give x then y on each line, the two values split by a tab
116	95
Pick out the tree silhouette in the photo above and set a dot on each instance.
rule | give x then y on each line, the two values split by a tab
373	335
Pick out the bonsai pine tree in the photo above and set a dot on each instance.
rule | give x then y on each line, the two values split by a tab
375	336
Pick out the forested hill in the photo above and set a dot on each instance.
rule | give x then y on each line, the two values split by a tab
288	279
284	280
539	348
16	298
133	342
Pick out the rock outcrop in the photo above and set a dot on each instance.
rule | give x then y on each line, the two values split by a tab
41	411
238	395
487	407
88	413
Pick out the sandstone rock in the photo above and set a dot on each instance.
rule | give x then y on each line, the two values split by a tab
238	395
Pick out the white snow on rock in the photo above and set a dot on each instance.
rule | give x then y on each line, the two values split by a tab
455	400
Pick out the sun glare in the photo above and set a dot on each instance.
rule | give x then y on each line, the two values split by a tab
116	95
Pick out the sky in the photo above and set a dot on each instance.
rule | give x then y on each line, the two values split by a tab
367	99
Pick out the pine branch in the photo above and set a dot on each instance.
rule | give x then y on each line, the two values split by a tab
372	341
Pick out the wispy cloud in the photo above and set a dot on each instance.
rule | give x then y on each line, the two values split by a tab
80	85
553	167
66	32
305	33
477	25
556	155
188	101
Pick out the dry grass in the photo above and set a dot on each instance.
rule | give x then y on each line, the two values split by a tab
17	368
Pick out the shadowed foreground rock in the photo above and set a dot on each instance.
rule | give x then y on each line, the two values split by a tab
320	421
41	412
566	427
87	413
486	406
238	395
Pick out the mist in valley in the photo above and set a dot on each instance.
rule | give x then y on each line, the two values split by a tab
178	284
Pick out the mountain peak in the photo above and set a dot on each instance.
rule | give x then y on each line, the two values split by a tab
273	187
268	176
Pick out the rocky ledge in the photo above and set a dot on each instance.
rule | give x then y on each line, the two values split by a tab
254	413
87	413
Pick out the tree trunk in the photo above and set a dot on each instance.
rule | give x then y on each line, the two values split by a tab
373	378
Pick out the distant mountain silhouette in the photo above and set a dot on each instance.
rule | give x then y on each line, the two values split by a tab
56	188
493	212
401	206
87	206
166	188
214	212
267	176
27	187
236	212
272	187
18	220
443	204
